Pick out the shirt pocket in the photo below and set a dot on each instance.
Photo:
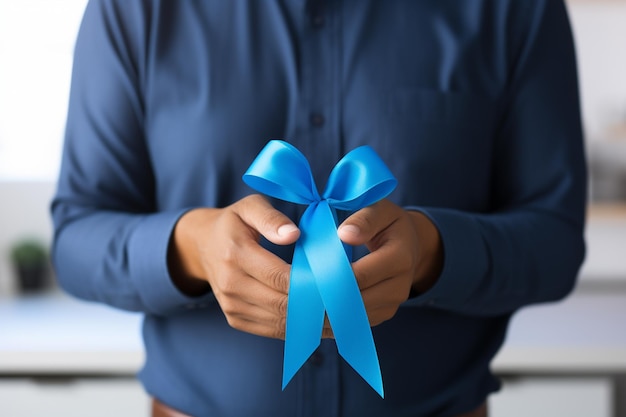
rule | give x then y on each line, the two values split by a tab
441	143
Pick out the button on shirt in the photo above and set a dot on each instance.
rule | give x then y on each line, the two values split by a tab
473	105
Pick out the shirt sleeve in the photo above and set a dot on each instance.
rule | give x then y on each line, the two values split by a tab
110	242
530	248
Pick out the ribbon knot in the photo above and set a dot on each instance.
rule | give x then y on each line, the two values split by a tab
322	280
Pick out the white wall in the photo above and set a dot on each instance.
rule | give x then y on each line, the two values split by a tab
600	35
36	46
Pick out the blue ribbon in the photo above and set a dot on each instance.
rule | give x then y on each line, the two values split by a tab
322	279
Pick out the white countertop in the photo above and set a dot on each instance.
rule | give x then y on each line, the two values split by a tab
586	333
54	333
60	335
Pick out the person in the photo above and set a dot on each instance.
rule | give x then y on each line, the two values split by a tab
474	107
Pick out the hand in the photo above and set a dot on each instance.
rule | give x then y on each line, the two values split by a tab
405	254
221	247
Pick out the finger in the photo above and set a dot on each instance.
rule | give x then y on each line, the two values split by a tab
259	214
327	333
259	328
253	292
383	300
382	314
243	310
386	295
386	262
362	226
265	267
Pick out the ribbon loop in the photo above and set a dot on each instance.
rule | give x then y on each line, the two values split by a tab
322	280
281	171
358	180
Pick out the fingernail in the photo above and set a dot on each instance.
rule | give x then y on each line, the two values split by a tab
286	229
350	229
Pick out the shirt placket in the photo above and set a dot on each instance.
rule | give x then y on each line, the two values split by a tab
320	140
319	107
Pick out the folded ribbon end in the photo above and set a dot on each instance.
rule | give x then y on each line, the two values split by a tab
379	390
365	363
295	357
375	381
288	374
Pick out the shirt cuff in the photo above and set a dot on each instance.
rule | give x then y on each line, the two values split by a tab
148	267
466	261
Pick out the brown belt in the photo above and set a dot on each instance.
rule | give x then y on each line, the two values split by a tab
161	410
479	412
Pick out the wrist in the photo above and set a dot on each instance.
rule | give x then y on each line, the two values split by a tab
430	254
183	257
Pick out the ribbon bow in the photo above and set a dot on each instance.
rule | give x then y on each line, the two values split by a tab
321	278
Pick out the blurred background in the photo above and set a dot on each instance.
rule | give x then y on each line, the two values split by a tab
60	356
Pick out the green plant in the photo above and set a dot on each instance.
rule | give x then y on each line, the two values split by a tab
29	253
30	262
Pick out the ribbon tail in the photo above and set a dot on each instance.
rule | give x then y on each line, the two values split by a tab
340	293
305	316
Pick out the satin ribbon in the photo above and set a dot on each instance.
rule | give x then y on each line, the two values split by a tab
321	278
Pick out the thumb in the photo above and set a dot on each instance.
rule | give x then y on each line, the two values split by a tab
354	230
362	226
259	214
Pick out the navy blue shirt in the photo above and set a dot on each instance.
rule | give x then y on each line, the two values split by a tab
472	104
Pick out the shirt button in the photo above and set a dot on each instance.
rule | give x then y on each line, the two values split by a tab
315	9
316	119
318	21
316	359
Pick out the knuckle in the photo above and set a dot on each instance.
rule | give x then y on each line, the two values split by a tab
234	322
270	219
389	312
382	314
278	333
399	298
280	326
230	252
363	278
278	278
228	286
280	306
376	319
228	308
